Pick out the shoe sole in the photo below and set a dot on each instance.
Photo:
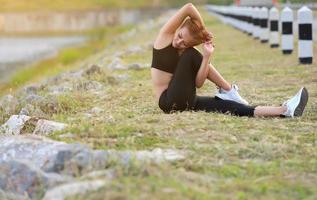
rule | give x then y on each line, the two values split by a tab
302	103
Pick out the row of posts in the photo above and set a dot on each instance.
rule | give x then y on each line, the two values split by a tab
264	24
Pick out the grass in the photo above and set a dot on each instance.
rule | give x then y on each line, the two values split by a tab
227	157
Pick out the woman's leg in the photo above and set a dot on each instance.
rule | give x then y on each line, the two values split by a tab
210	104
181	92
215	104
269	111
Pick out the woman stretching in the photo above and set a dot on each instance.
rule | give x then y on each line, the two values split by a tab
178	68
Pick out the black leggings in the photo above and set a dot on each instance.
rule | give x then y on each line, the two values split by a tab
181	92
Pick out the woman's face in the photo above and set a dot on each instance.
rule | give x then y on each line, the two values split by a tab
182	39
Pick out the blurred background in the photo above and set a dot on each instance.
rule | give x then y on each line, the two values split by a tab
43	37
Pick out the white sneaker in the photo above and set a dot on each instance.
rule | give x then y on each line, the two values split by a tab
232	95
296	104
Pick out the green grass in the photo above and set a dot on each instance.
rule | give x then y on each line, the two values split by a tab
227	157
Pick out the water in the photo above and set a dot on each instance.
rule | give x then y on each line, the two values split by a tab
16	52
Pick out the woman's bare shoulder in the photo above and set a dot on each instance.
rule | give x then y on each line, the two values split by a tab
162	41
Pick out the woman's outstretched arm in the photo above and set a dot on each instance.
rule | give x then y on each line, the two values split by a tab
188	10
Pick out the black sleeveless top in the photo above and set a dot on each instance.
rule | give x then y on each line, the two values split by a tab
165	59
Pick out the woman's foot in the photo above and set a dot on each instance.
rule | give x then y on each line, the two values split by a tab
296	104
232	95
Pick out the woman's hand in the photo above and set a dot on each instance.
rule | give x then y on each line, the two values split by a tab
208	49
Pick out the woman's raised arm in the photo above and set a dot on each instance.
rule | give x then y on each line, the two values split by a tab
188	10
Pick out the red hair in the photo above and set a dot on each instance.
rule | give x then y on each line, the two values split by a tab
200	34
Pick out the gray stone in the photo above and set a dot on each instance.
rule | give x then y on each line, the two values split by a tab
73	75
11	196
51	163
94	69
116	64
32	111
74	160
14	125
34	100
31	89
101	159
24	111
46	127
122	77
88	85
61	192
59	89
20	177
18	123
96	110
36	149
135	66
134	50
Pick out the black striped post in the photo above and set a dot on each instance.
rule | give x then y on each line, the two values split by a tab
264	36
305	35
256	23
274	35
287	30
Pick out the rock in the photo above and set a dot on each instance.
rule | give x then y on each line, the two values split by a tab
133	50
135	66
73	75
88	85
14	125
94	69
101	159
46	127
36	149
9	104
74	160
122	77
24	111
31	89
116	64
34	164
61	192
18	123
59	89
12	196
96	110
20	177
34	99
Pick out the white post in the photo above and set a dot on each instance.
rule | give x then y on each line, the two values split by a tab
264	36
305	35
256	23
287	30
274	35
